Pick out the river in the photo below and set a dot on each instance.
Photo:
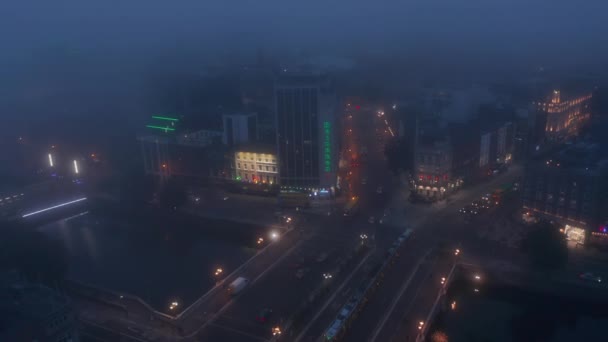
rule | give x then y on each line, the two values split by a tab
160	263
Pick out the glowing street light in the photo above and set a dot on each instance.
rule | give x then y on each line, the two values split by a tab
76	167
260	241
442	280
218	272
453	305
327	275
276	331
477	277
173	305
420	325
274	235
457	251
50	160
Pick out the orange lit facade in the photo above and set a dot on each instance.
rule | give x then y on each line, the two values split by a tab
255	167
564	118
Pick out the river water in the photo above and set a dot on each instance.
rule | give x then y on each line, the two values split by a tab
140	257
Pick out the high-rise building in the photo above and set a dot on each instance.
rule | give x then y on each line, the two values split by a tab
305	106
240	128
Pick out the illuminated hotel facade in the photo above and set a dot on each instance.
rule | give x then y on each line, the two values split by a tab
256	165
562	119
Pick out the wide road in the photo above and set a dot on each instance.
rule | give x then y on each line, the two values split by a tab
435	225
278	287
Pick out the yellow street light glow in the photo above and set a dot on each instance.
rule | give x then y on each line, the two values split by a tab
453	305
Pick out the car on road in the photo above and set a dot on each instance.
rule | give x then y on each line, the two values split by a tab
479	205
588	276
468	210
263	315
371	220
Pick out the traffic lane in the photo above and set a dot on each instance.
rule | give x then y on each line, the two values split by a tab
323	322
281	290
417	302
392	280
214	301
402	305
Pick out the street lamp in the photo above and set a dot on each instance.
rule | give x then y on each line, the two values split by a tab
276	331
274	235
477	277
218	272
173	305
327	275
260	241
420	325
442	280
457	252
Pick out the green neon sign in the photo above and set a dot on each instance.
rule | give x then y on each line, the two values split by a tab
164	118
327	146
166	129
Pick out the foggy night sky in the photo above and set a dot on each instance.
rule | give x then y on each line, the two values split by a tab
105	49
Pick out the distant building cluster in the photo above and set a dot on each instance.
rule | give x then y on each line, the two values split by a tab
448	154
297	152
569	186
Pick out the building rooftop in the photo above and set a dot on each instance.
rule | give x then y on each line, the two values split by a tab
256	148
302	78
576	155
240	114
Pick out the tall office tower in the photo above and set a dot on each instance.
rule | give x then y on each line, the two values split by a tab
305	108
